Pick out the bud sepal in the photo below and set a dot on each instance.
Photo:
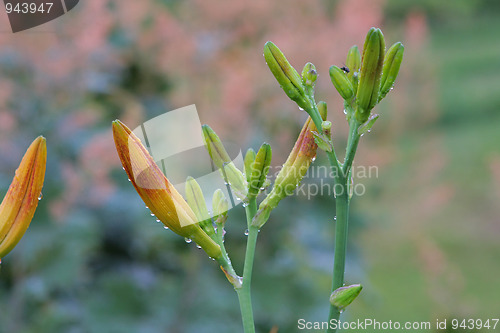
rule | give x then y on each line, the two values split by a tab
344	296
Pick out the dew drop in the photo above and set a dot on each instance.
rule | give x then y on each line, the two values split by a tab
188	240
152	214
246	232
313	159
40	197
335	218
345	111
198	247
158	220
146	207
238	199
245	204
129	179
165	227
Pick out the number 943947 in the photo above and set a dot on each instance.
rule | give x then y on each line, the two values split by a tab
28	7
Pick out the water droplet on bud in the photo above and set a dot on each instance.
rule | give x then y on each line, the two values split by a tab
246	232
188	240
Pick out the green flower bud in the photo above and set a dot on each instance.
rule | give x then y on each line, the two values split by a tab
344	296
322	108
260	168
286	75
221	159
220	206
326	125
353	61
341	82
390	70
309	75
196	200
370	73
249	158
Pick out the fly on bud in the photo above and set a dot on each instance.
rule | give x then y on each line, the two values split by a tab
221	159
294	169
341	82
20	202
260	168
157	192
344	296
390	70
286	75
370	73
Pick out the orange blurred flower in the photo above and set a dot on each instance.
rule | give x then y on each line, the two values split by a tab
20	202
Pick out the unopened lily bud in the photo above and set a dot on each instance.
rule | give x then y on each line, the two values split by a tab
157	192
322	108
344	296
220	206
260	168
326	125
294	169
196	200
20	202
221	159
353	61
390	70
249	158
341	82
286	75
327	128
309	75
370	73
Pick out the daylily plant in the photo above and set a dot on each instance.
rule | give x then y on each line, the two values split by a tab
362	83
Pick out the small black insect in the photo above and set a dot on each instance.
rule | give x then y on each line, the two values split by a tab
345	69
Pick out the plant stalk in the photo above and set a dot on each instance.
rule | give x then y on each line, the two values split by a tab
244	295
342	202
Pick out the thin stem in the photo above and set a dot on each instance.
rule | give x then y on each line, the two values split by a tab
341	225
244	295
342	219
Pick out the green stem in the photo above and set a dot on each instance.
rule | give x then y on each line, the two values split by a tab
342	218
244	295
342	200
341	225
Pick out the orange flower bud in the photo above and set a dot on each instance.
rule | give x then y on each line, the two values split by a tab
157	192
20	202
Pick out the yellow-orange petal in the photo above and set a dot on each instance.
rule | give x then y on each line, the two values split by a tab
20	202
159	195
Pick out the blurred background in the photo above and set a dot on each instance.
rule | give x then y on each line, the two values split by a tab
423	239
